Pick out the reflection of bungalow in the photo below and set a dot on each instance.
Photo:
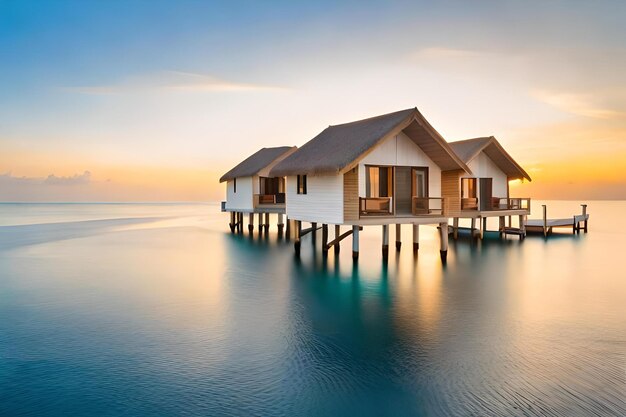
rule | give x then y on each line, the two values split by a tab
251	189
484	193
378	171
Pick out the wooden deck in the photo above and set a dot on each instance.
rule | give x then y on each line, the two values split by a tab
547	225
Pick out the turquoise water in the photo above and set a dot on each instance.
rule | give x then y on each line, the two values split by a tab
157	310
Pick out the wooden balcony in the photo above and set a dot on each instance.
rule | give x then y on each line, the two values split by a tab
269	200
497	203
420	206
375	206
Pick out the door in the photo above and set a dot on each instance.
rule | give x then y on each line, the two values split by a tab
486	192
403	190
419	190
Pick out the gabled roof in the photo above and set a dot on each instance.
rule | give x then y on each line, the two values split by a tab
257	161
469	149
339	148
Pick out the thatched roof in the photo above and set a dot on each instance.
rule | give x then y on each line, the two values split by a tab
256	162
469	149
339	148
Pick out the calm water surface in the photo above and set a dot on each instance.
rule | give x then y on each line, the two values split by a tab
157	310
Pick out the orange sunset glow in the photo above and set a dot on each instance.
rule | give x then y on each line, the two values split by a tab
163	124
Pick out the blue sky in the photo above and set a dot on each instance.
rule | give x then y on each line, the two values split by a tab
188	88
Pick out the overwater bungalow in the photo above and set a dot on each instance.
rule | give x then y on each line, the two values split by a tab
250	189
385	170
485	192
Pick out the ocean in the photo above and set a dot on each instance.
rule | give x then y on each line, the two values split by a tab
158	310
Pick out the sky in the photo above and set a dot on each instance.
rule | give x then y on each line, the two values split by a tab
154	100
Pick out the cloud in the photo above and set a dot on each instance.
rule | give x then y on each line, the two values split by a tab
438	52
75	179
172	81
576	103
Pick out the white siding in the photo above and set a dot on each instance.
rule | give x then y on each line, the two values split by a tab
401	151
323	202
241	200
483	167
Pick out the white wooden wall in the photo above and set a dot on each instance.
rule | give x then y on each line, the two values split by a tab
242	200
483	167
323	202
402	151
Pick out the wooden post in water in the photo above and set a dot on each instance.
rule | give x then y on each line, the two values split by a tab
585	216
250	222
545	220
281	225
484	228
232	222
355	242
325	239
288	229
296	243
337	234
443	237
522	226
473	226
455	227
480	227
416	237
313	233
385	241
501	225
260	223
398	236
267	222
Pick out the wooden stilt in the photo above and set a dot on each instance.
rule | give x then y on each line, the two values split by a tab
313	233
251	222
296	243
355	242
455	227
473	226
288	229
545	220
325	239
281	224
585	216
385	241
398	236
443	236
416	237
337	234
260	222
267	222
484	228
501	225
232	222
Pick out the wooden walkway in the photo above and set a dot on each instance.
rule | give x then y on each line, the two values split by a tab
546	225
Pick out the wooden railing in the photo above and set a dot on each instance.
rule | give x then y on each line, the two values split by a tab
269	199
429	205
375	206
469	204
510	204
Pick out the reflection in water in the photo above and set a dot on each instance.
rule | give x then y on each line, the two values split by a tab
177	316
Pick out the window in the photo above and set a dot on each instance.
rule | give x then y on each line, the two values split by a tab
301	184
235	185
378	182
